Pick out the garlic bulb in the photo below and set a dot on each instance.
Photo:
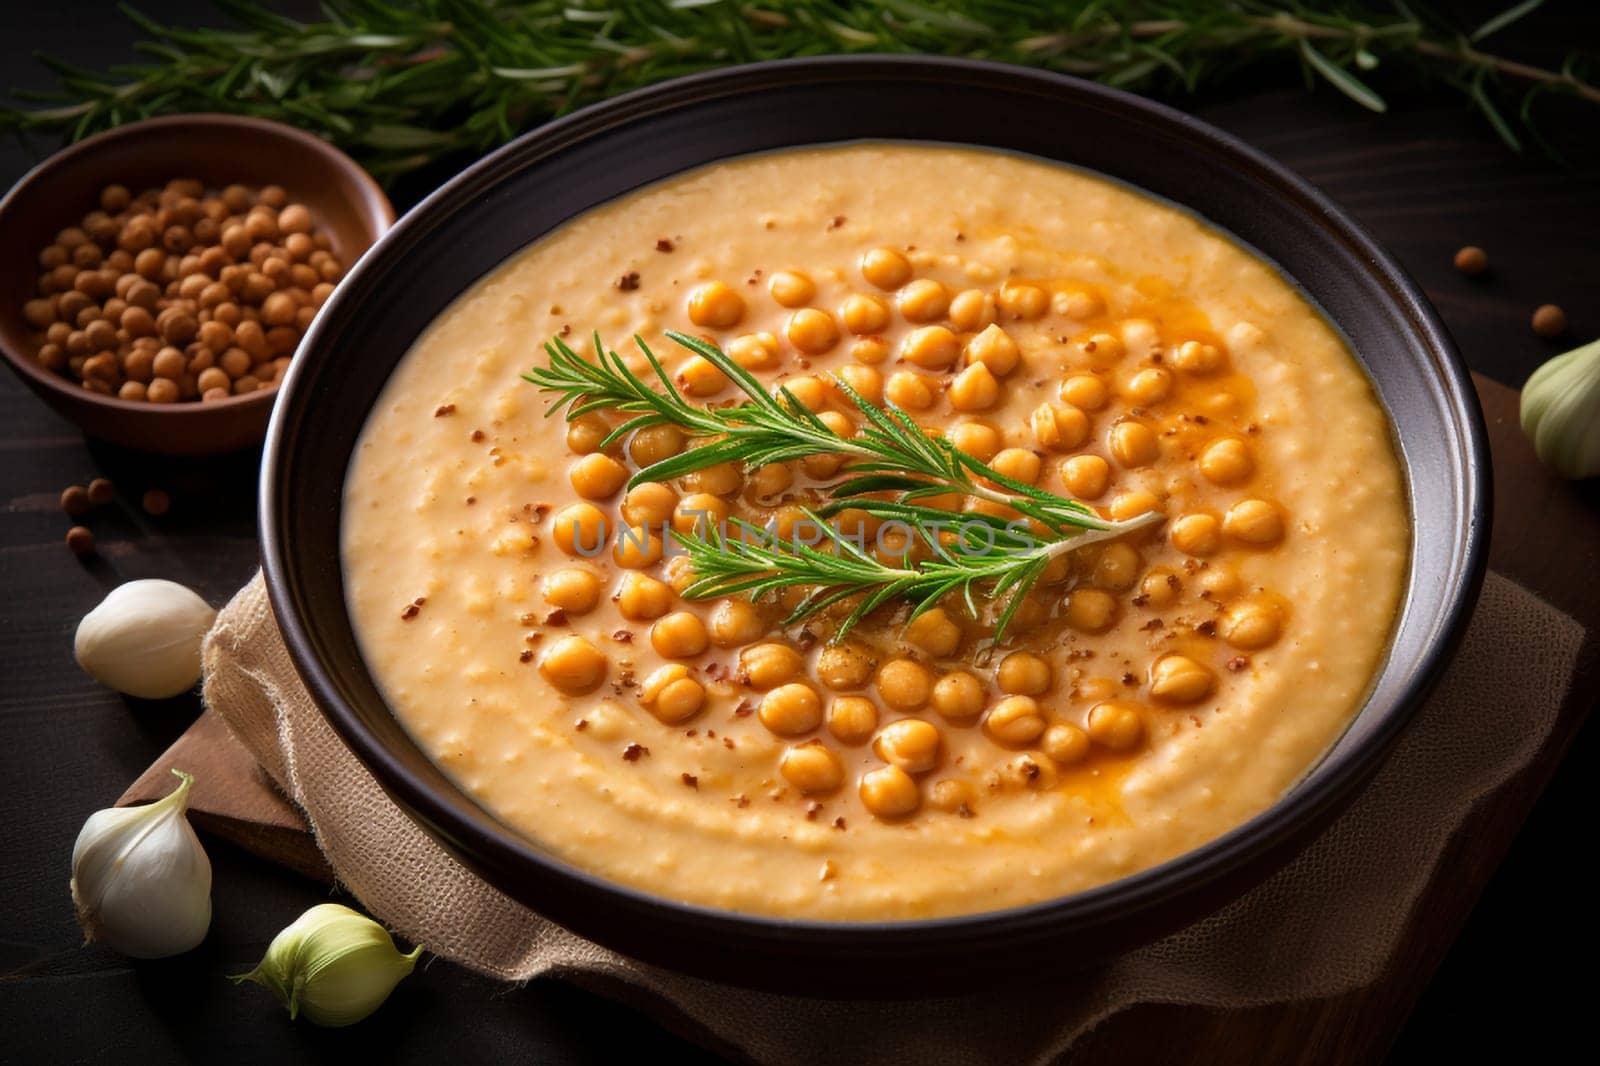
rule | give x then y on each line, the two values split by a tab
1561	412
333	965
141	882
144	639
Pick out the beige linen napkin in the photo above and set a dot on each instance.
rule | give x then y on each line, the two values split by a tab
1324	925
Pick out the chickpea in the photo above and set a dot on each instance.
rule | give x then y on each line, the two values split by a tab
1085	392
754	351
1024	301
978	439
1133	443
911	744
852	719
934	632
1193	357
680	635
700	513
864	381
671	694
972	310
1179	679
735	623
714	305
585	434
811	768
1115	725
864	315
650	504
597	476
923	300
636	548
720	479
808	392
1023	674
869	350
1117	567
889	792
930	347
766	666
767	482
791	709
1090	610
655	443
571	588
1196	534
791	288
1058	427
958	695
699	377
909	391
1132	504
579	529
1159	587
995	349
1018	464
974	389
1254	522
1226	461
885	268
1151	385
1250	625
1014	721
641	597
162	390
845	665
951	796
574	665
812	331
1086	476
1065	743
1103	349
904	684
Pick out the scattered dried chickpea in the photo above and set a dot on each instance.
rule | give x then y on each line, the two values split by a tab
573	589
768	665
574	665
641	598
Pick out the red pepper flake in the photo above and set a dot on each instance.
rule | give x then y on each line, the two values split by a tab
754	278
623	636
532	638
557	617
477	436
1208	628
1140	600
835	222
1237	663
409	612
1252	429
960	236
712	733
444	409
566	330
1089	346
1151	626
690	780
838	823
529	619
727	742
581	724
1129	679
471	500
964	811
812	810
806	640
744	709
664	245
741	801
525	656
1201	420
716	671
629	281
1173	582
633	752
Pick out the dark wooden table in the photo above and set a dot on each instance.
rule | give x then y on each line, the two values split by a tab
1425	179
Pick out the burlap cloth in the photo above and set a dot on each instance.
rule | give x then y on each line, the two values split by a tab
1324	925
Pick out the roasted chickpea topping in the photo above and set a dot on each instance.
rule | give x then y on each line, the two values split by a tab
1227	461
863	314
1090	610
641	597
885	268
846	665
934	632
1150	386
671	694
910	743
812	331
1133	504
909	391
978	439
1085	392
574	665
958	695
889	792
904	684
1014	721
866	381
852	719
930	347
1065	743
791	288
974	389
1116	726
1254	522
972	310
1179	679
765	666
1250	626
1024	301
698	377
1057	427
580	529
951	796
597	476
649	504
637	547
1132	443
791	709
995	349
655	443
923	300
715	305
680	635
573	589
1196	534
754	351
735	623
1086	476
811	768
1023	673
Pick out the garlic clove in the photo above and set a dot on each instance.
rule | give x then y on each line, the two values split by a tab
141	882
144	639
1561	412
333	965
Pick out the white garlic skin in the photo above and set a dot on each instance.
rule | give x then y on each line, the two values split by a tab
141	882
144	639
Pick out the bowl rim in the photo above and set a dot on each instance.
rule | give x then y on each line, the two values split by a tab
66	387
494	853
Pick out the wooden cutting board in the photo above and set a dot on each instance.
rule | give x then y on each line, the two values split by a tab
1546	536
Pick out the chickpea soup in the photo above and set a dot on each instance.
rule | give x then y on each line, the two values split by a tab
536	625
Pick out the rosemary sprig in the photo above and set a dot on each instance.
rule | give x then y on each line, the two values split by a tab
402	83
889	454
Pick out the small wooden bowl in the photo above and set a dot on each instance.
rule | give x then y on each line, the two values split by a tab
218	150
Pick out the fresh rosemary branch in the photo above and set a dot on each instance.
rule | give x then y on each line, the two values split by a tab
890	453
401	83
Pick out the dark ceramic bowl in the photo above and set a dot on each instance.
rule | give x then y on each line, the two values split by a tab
218	150
523	191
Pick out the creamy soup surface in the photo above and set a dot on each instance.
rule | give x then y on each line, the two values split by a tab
1153	692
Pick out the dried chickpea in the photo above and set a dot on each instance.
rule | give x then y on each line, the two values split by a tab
754	351
579	529
791	709
597	476
699	377
1226	461
1059	427
1014	721
655	443
572	589
1085	392
1133	443
845	665
1250	625
1151	385
812	331
1018	464
889	792
1115	725
574	665
1254	522
930	347
975	389
852	719
908	390
1065	743
641	597
972	310
923	300
910	743
791	288
1179	679
1193	357
885	268
650	504
671	694
765	666
1023	674
1197	534
1086	476
636	548
714	305
958	695
680	635
213	378
995	349
811	768
162	390
934	632
863	314
1090	610
978	439
865	381
904	684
